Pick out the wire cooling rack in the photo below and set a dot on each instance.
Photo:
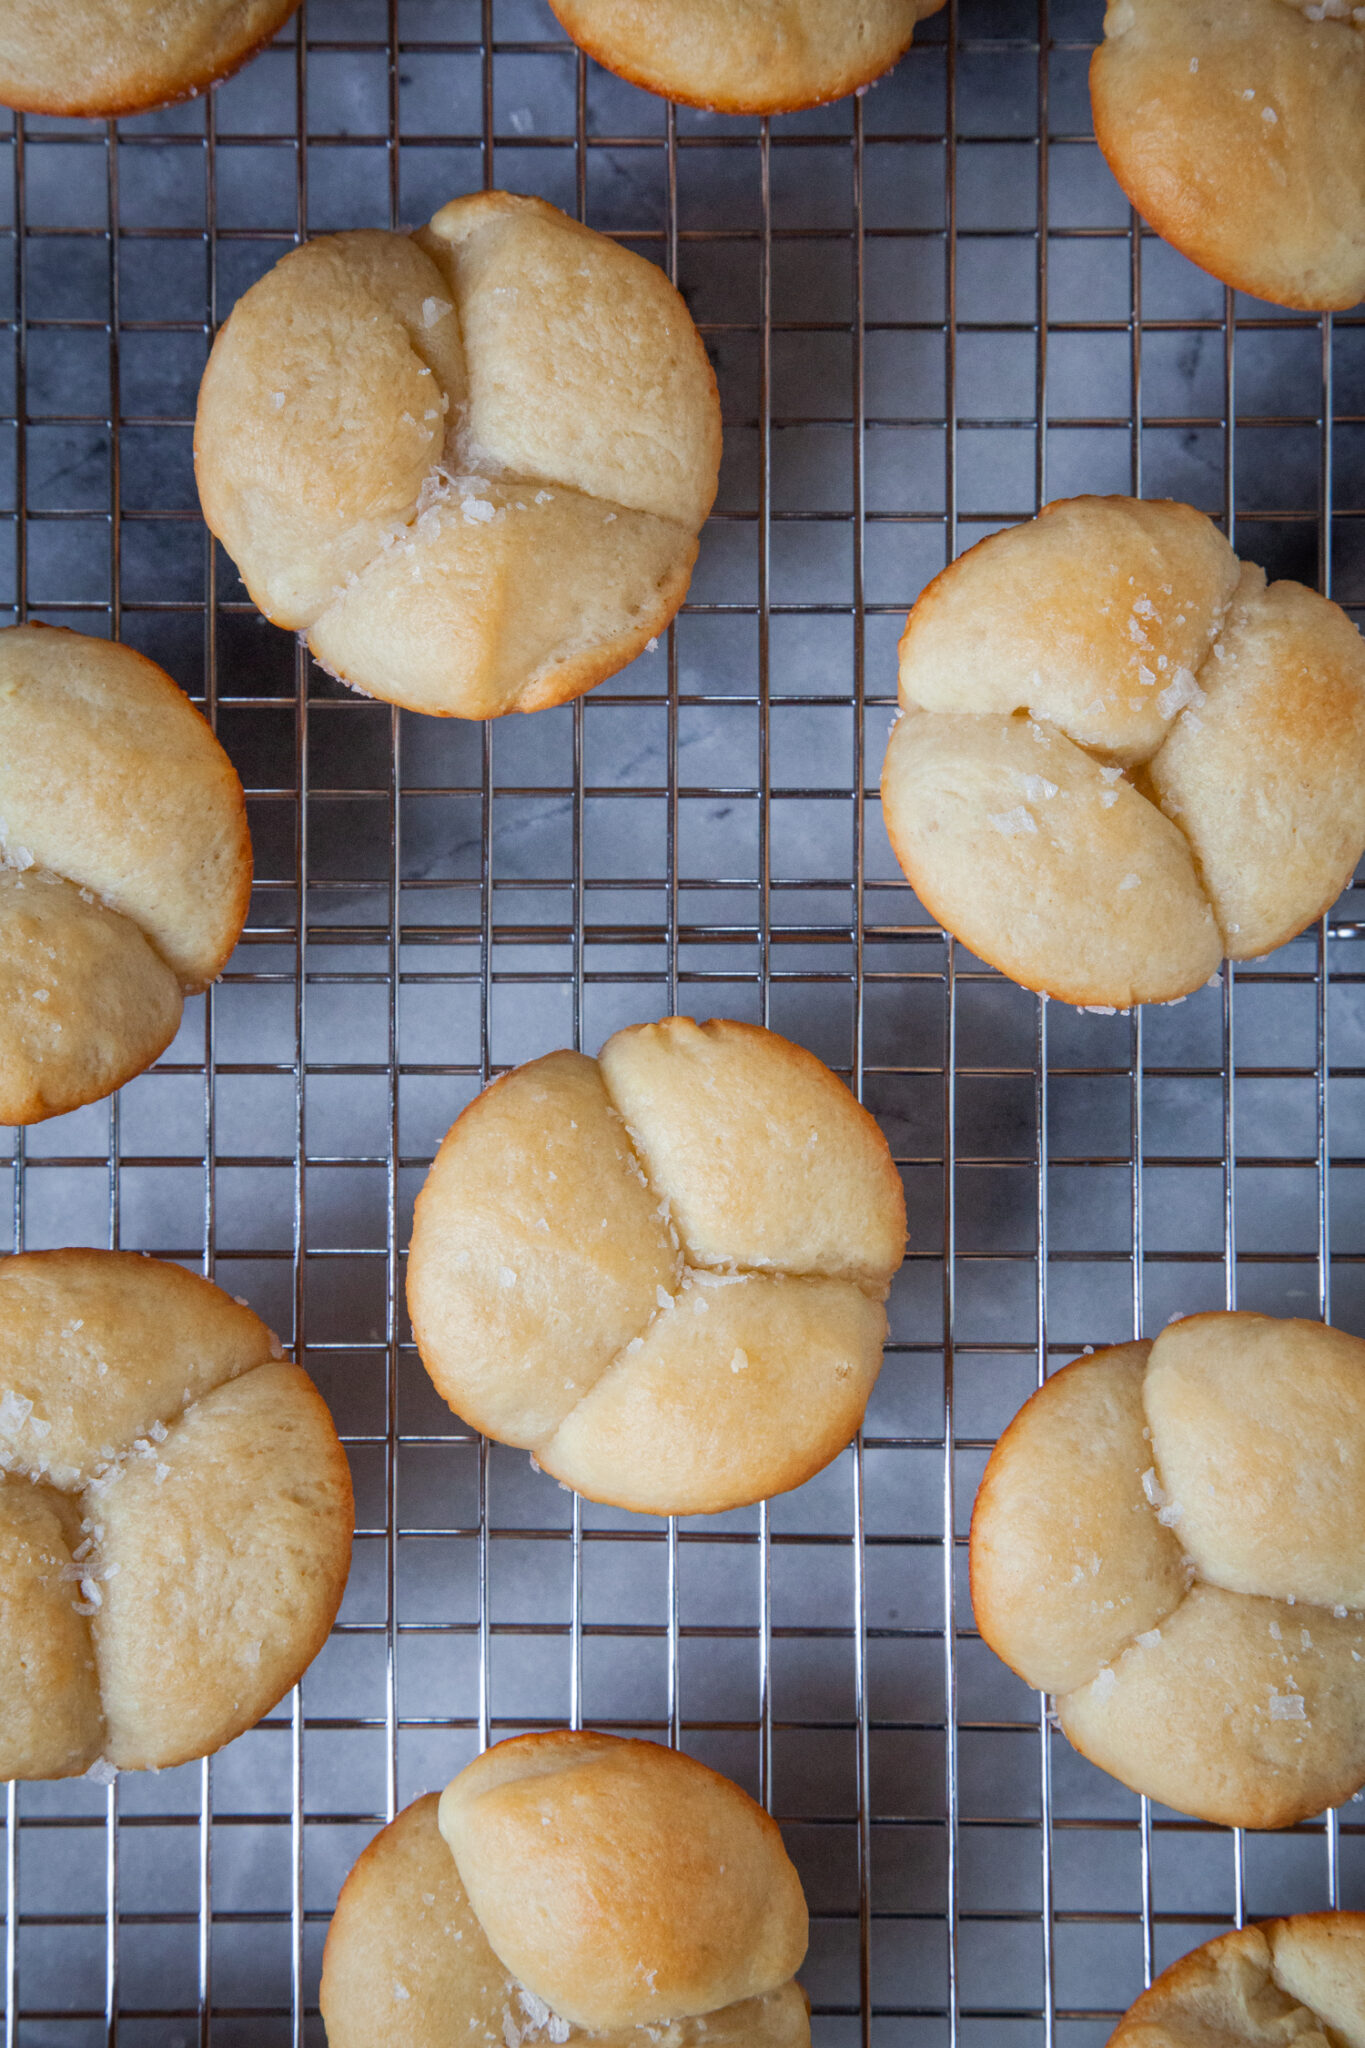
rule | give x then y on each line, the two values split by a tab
930	309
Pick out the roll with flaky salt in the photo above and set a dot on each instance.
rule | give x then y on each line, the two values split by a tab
1237	128
107	57
661	1271
125	866
175	1516
471	465
571	1887
1122	754
746	56
1299	1981
1170	1537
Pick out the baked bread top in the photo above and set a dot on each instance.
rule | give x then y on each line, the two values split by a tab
1299	1981
576	1851
746	56
471	465
1237	128
662	1270
587	1889
125	866
120	56
1122	754
175	1515
1171	1538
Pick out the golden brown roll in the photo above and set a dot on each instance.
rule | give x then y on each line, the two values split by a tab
1171	1538
662	1271
125	866
1237	128
1122	755
175	1515
571	1887
1299	1981
746	56
471	465
120	56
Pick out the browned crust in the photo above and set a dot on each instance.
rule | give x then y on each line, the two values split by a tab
1187	1970
850	79
240	900
1297	926
1261	1806
357	1878
808	1063
983	1505
148	98
583	672
1163	211
772	1486
933	592
426	1350
574	677
337	1565
1080	998
80	1255
36	1104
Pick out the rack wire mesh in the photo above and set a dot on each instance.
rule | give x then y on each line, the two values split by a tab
930	309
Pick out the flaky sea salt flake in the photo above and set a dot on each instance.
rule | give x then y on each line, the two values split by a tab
1152	1487
1036	788
1012	824
15	1410
1179	693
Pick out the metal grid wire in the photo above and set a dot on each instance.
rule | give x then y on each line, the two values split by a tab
930	309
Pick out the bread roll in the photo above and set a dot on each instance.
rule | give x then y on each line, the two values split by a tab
175	1515
1170	1538
1238	130
746	56
1121	755
1299	1981
109	57
471	465
587	1889
662	1271
125	866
